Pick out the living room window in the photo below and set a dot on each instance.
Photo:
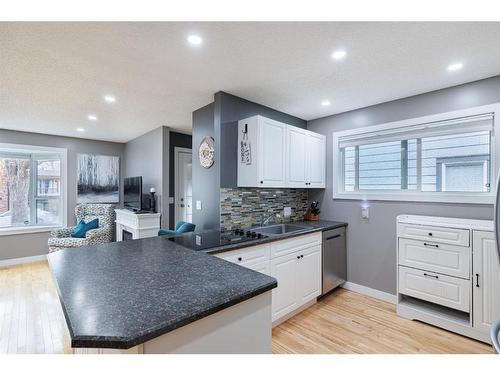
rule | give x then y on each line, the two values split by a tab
31	188
443	158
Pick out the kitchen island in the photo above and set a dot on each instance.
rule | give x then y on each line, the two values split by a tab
154	296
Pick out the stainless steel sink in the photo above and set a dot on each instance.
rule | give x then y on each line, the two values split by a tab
273	230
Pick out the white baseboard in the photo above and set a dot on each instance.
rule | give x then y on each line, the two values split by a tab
384	296
15	261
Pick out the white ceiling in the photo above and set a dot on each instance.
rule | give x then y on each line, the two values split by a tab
52	75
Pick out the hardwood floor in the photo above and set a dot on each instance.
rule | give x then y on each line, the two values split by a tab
31	318
32	321
348	322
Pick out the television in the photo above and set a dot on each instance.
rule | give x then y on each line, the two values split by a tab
132	193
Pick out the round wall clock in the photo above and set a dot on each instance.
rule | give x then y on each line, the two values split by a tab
206	152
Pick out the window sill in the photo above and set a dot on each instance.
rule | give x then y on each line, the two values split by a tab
458	198
27	230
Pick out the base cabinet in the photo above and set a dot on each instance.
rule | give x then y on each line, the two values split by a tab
449	274
486	289
294	262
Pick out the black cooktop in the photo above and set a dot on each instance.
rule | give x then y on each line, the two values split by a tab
212	239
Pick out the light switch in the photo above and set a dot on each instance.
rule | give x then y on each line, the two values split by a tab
365	213
198	205
171	200
287	211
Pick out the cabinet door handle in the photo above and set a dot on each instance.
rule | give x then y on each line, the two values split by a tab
298	256
434	276
477	280
302	256
430	234
429	244
240	259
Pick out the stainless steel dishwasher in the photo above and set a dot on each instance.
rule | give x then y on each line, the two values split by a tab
334	258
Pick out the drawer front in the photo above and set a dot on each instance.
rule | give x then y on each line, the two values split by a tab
294	244
452	236
247	256
441	258
440	289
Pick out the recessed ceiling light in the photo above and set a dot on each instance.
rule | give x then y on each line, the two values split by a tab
455	66
109	98
92	117
325	103
80	130
195	40
339	54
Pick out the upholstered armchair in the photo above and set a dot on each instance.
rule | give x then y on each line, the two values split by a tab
61	238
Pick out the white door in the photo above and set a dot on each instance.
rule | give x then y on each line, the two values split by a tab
183	185
284	269
309	274
296	161
486	281
272	135
316	160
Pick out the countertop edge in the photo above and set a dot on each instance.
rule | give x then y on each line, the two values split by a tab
124	343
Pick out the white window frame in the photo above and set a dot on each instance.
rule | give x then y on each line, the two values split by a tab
412	196
63	152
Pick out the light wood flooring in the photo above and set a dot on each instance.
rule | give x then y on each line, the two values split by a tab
32	321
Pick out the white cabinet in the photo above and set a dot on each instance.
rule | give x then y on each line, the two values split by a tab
486	280
294	262
449	273
299	280
296	164
316	159
274	154
309	285
284	269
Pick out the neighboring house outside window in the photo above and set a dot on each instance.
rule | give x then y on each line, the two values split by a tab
31	193
443	158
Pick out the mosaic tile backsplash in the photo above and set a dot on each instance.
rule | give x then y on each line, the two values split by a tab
244	207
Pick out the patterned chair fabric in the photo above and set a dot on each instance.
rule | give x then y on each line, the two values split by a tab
61	238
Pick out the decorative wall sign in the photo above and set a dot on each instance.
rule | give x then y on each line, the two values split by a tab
98	179
245	149
206	152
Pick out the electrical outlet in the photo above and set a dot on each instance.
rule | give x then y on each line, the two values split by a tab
287	211
198	205
171	200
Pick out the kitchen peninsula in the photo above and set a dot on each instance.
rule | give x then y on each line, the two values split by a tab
154	296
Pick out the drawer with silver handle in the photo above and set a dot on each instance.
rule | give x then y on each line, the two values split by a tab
452	236
443	290
446	259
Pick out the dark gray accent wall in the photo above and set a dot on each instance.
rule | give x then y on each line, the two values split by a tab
176	140
206	182
147	156
229	110
24	245
220	121
372	244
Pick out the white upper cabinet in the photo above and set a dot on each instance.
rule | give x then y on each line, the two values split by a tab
273	154
316	160
296	164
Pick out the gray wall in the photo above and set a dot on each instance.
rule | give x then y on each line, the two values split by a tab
176	140
372	244
229	110
206	182
147	156
23	245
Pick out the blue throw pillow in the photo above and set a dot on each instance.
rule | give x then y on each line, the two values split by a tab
81	229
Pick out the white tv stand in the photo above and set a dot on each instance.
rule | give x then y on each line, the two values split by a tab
135	225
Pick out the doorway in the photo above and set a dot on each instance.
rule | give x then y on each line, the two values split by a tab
183	165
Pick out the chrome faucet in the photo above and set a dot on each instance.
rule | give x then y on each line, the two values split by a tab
266	221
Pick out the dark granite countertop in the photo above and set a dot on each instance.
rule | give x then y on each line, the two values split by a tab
314	226
122	294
